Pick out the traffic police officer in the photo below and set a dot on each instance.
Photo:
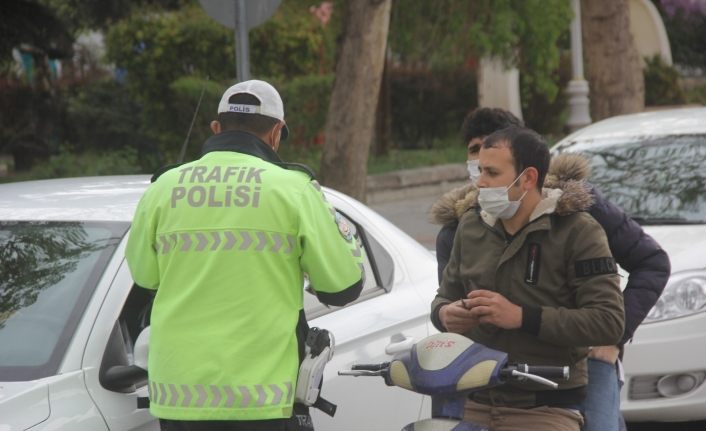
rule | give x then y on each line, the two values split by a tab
227	241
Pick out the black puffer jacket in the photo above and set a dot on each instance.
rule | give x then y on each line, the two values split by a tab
632	248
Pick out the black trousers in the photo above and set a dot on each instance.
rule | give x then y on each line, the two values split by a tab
300	421
269	425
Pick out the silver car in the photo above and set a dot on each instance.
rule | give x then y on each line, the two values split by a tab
653	165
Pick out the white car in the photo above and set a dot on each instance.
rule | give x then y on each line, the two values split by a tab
653	165
70	313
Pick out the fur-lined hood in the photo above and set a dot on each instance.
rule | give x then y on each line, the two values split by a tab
567	172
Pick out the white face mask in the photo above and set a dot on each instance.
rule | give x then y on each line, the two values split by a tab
473	170
496	203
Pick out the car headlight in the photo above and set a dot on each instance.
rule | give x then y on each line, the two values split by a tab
684	294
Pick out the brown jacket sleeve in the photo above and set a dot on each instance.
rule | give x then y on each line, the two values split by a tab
598	318
451	289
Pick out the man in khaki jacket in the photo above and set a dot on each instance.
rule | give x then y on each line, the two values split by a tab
530	274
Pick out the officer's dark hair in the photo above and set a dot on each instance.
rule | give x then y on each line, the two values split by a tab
528	149
253	123
482	122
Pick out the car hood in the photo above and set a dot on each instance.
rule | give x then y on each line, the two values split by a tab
685	244
23	404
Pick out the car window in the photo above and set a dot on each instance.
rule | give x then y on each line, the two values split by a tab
657	180
379	273
49	271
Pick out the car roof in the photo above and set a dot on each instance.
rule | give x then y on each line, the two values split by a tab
106	198
103	198
681	121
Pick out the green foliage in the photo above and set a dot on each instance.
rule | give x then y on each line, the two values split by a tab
67	163
687	34
186	92
428	105
157	48
32	123
293	43
541	24
30	22
91	14
662	83
445	34
103	116
168	54
169	47
697	95
449	34
547	115
306	99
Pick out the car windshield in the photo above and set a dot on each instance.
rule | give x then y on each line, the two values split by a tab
655	180
49	271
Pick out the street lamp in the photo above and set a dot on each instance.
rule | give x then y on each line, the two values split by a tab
579	112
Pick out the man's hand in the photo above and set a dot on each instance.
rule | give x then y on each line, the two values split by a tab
605	353
456	317
492	307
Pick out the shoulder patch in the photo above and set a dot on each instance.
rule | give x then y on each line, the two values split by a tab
297	167
597	266
343	227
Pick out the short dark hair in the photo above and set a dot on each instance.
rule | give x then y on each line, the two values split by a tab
483	121
528	149
253	123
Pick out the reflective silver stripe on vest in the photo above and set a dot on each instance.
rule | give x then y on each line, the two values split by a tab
216	396
162	393
290	393
173	395
215	241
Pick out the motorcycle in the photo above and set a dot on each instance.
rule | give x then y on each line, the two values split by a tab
449	367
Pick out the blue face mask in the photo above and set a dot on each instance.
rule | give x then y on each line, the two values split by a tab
496	202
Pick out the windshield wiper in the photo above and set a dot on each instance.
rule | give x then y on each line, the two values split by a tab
647	221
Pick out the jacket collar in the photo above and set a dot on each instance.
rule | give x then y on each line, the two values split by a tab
240	142
567	172
451	206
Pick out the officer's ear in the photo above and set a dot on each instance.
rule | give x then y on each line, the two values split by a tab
276	136
215	127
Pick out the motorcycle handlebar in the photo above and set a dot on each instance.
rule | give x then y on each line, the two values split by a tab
547	371
553	372
371	367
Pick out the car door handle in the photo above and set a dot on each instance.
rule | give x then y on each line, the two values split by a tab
399	343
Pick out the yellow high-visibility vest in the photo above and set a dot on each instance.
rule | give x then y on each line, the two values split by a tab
226	241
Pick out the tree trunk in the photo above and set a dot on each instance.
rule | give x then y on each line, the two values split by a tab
350	123
383	126
613	65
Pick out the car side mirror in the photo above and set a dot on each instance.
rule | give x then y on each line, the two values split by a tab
117	374
141	349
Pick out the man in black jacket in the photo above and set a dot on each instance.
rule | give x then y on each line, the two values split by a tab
634	250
